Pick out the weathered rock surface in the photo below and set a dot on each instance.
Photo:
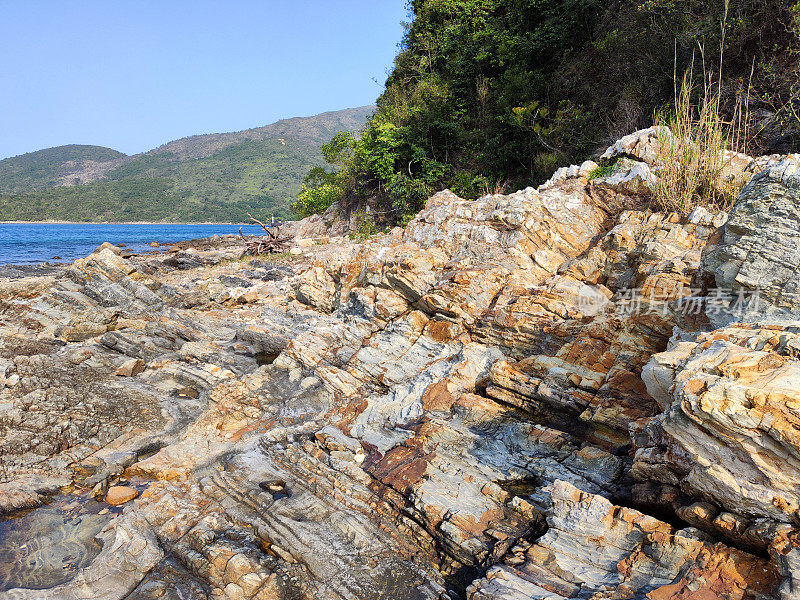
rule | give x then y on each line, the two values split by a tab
730	405
593	549
757	258
520	396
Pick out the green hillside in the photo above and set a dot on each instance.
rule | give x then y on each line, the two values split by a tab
44	168
215	177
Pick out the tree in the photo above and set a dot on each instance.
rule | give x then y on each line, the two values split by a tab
493	93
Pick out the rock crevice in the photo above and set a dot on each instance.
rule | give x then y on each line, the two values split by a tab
496	402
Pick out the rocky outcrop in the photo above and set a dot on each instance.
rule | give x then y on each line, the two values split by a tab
754	264
521	396
594	549
729	405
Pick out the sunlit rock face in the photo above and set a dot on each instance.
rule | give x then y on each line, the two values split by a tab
592	547
521	396
756	256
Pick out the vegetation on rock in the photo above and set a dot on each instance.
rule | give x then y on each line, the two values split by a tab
491	95
692	157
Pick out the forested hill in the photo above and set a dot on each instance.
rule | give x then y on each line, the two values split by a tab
213	177
45	168
490	95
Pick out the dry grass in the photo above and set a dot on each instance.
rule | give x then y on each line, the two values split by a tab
693	163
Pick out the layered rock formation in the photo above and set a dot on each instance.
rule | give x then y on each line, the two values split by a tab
521	396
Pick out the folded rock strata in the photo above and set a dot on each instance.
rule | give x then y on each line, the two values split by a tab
506	399
593	549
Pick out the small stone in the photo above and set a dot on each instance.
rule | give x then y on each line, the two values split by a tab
273	486
283	554
120	494
108	246
99	490
131	367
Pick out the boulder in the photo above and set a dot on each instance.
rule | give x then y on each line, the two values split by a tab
643	145
109	246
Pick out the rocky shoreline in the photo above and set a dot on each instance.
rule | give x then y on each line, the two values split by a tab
556	393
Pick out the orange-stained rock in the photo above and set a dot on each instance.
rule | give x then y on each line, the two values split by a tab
401	467
592	546
474	393
437	398
734	409
120	494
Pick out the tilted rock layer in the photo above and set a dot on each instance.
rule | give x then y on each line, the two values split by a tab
521	396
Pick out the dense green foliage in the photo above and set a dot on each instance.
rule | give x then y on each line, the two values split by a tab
44	168
488	95
321	188
216	177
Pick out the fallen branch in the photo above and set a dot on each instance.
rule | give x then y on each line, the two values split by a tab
273	243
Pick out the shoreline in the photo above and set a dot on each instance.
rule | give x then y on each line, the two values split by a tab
114	223
142	248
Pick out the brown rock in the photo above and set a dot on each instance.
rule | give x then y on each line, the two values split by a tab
437	397
120	494
131	367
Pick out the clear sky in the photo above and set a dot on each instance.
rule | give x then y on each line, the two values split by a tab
133	74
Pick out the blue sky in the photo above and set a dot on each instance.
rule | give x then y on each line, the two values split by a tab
133	74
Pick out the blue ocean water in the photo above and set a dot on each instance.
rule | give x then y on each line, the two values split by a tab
26	243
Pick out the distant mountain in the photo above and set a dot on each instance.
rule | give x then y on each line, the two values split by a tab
212	177
316	130
47	168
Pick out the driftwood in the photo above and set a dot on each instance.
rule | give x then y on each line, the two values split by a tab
271	243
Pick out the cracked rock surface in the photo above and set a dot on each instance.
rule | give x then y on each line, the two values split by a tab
508	399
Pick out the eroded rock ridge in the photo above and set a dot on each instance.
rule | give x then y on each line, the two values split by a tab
551	394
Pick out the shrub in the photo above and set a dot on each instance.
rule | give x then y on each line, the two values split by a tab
365	226
321	188
314	200
408	194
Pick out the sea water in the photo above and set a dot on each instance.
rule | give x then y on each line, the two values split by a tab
27	243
